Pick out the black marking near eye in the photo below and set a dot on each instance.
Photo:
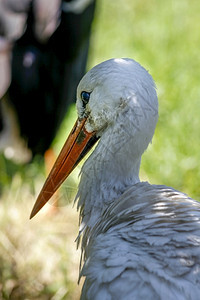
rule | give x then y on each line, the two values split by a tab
85	97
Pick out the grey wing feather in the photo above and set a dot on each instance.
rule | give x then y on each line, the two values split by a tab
147	246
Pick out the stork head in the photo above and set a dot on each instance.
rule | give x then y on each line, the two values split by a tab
116	94
115	87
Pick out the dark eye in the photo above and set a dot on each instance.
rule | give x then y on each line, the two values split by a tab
85	96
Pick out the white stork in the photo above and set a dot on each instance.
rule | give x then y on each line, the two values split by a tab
139	241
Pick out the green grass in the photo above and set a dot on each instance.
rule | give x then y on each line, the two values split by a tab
38	258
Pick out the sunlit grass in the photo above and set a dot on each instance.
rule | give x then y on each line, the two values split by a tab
38	259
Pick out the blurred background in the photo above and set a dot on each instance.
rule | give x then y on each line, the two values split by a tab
44	51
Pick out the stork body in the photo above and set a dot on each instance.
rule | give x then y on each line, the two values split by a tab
139	241
146	246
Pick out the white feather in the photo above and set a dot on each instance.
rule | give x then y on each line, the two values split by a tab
139	241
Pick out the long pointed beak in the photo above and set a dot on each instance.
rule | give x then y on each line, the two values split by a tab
78	143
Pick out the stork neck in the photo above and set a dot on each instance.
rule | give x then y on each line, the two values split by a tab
107	173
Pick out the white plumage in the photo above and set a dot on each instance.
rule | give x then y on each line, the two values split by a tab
139	241
145	246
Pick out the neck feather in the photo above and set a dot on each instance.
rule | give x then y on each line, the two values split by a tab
107	173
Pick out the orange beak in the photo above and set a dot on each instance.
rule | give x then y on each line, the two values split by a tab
75	148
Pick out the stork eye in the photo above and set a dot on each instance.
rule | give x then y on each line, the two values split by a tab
85	96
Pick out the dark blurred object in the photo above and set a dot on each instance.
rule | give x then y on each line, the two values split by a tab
48	41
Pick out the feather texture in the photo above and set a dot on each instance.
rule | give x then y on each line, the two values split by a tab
139	241
146	246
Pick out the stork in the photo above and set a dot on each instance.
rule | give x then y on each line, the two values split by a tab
139	241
